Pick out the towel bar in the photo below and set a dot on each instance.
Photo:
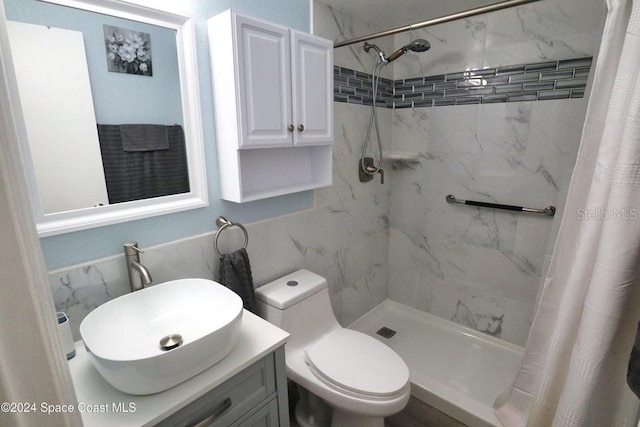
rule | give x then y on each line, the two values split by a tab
223	223
549	210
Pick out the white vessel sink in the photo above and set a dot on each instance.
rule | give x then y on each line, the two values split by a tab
123	335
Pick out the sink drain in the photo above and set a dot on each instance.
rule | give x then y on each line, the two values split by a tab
170	342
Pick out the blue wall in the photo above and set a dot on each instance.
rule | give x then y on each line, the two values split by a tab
73	248
117	97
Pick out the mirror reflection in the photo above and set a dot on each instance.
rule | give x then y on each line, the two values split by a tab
102	105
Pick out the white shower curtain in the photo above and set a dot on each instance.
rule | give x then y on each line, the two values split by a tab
574	368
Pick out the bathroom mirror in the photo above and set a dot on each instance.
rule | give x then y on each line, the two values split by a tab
105	68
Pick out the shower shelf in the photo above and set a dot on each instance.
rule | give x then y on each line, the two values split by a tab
400	156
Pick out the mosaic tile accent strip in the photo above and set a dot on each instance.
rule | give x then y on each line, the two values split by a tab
527	82
354	87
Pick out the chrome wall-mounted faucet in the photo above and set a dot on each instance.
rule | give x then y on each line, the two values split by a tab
139	275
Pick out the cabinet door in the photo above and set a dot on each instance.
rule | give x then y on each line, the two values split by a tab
267	416
312	74
263	73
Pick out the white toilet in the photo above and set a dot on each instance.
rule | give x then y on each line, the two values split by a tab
360	379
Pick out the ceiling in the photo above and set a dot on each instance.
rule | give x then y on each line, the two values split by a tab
387	14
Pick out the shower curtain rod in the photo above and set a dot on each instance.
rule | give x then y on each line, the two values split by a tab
453	17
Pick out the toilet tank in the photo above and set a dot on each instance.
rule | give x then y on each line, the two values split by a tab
286	291
298	303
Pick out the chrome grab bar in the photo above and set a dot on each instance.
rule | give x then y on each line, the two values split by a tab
549	210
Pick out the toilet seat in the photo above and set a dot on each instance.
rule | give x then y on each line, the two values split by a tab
357	364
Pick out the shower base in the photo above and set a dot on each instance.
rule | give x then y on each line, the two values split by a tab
454	369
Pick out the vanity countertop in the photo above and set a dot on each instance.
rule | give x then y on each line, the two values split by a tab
102	405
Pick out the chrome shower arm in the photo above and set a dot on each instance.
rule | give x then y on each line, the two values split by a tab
368	46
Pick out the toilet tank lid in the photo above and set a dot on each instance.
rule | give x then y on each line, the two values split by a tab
290	289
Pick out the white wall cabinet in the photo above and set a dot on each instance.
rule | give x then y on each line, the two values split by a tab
312	76
273	100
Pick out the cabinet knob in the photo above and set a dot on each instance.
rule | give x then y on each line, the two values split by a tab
290	128
300	128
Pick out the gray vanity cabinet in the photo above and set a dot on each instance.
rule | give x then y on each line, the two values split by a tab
256	396
266	416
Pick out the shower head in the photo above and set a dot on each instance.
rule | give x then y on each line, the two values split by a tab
418	45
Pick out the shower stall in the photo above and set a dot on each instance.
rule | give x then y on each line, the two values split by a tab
491	113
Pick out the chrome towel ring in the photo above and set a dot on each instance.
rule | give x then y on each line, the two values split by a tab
223	223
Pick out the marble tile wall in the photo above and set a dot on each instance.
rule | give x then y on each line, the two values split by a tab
536	32
337	25
476	266
344	238
481	267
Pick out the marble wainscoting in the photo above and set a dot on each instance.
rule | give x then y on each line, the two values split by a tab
479	267
343	238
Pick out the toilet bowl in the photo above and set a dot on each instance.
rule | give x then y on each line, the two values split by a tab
347	378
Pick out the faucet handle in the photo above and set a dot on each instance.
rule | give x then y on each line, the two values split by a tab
132	248
371	170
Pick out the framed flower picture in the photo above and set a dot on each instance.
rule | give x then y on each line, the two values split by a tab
128	51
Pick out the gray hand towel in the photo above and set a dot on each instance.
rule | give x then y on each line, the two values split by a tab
235	274
633	371
144	137
143	174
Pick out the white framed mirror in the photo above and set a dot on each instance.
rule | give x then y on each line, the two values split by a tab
111	125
